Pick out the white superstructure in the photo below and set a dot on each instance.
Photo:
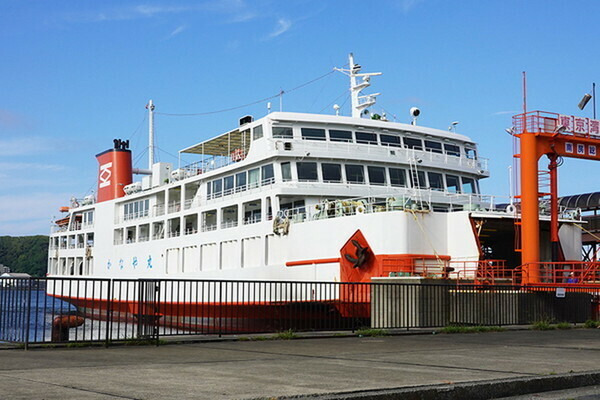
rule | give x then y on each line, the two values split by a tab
278	197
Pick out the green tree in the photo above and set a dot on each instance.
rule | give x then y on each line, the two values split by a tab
27	254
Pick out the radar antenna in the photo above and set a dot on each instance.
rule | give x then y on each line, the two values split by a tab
359	103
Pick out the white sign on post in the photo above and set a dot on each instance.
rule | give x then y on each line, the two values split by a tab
560	292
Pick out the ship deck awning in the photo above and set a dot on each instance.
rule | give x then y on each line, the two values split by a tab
586	201
221	145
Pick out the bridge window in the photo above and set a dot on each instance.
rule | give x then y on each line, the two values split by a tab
257	132
435	181
340	136
418	180
376	175
452	150
390	140
413	143
331	172
469	185
366	138
307	171
355	173
434	147
452	184
282	132
397	177
313	134
471	153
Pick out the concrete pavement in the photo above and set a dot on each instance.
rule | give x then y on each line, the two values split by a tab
279	368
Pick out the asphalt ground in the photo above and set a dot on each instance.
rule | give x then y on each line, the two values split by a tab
403	366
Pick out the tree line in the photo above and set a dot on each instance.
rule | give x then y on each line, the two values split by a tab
27	254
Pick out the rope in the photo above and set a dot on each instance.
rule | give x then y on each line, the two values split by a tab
586	231
281	93
435	253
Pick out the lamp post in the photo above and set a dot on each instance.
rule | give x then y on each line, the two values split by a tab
586	98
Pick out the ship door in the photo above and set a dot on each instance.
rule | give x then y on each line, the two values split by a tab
496	240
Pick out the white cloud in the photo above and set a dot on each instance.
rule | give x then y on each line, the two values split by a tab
21	146
283	25
178	30
30	214
237	10
8	166
504	112
243	17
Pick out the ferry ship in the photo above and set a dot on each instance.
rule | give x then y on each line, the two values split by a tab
298	197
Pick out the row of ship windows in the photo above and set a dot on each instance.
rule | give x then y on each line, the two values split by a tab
341	173
335	135
250	212
255	177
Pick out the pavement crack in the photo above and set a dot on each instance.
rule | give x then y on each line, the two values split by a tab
386	362
70	387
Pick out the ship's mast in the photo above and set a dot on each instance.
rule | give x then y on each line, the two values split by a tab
359	103
150	108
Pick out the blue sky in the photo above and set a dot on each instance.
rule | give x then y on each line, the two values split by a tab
76	74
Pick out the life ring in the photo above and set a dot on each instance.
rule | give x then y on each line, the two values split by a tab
276	222
511	209
360	209
281	224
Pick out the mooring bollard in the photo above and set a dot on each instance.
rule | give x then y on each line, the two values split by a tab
61	325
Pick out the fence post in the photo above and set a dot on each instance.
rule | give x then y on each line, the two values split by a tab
220	306
156	319
27	315
108	311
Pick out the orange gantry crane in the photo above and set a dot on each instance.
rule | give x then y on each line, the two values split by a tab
554	135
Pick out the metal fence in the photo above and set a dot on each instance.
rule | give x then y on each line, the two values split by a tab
53	310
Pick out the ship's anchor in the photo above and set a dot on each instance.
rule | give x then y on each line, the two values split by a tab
362	254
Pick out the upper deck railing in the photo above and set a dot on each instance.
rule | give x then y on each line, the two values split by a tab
427	200
395	154
350	150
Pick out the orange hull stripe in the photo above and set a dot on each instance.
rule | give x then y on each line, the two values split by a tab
310	262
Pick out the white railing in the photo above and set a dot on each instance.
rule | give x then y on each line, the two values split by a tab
159	209
208	228
190	231
316	148
253	220
132	216
174	207
427	200
188	204
144	238
229	224
208	164
240	189
171	234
